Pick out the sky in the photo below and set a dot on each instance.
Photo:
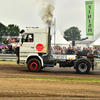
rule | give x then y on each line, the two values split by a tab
68	13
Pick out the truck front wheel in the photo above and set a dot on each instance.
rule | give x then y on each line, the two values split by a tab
34	65
82	67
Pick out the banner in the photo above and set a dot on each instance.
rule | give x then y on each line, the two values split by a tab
89	18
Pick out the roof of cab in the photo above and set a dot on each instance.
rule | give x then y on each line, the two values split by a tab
36	30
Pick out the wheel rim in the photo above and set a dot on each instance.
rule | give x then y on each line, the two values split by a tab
33	65
82	67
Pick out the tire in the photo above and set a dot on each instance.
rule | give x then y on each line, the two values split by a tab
34	65
82	67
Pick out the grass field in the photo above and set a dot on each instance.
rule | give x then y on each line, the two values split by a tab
54	79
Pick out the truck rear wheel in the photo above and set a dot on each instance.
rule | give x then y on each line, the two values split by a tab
34	65
82	67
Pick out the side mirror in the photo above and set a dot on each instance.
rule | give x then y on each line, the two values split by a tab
22	31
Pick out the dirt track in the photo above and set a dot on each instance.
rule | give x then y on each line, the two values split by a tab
26	89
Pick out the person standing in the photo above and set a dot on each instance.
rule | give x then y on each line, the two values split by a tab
10	48
69	51
95	52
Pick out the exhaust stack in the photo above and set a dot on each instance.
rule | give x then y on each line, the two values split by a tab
49	44
49	41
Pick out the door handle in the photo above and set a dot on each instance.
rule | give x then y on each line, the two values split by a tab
32	47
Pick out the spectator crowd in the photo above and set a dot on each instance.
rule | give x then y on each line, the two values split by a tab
7	49
75	50
57	50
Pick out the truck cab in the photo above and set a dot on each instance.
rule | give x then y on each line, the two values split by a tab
34	43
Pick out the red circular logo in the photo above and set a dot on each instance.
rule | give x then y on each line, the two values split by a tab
39	47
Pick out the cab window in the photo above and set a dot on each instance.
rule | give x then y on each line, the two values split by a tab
29	38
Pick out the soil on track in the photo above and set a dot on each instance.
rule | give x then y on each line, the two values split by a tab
26	89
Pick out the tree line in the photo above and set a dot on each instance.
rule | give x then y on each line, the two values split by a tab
10	30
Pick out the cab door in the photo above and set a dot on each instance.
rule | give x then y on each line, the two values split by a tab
27	46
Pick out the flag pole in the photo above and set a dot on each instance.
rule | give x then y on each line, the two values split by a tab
54	31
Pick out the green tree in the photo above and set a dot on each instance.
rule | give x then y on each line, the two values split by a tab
72	33
3	31
13	30
10	30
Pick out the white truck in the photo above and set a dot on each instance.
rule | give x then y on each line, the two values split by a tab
34	50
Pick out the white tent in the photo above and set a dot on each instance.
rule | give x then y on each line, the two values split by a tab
59	40
97	42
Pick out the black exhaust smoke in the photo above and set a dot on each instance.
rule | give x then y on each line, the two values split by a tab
46	12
